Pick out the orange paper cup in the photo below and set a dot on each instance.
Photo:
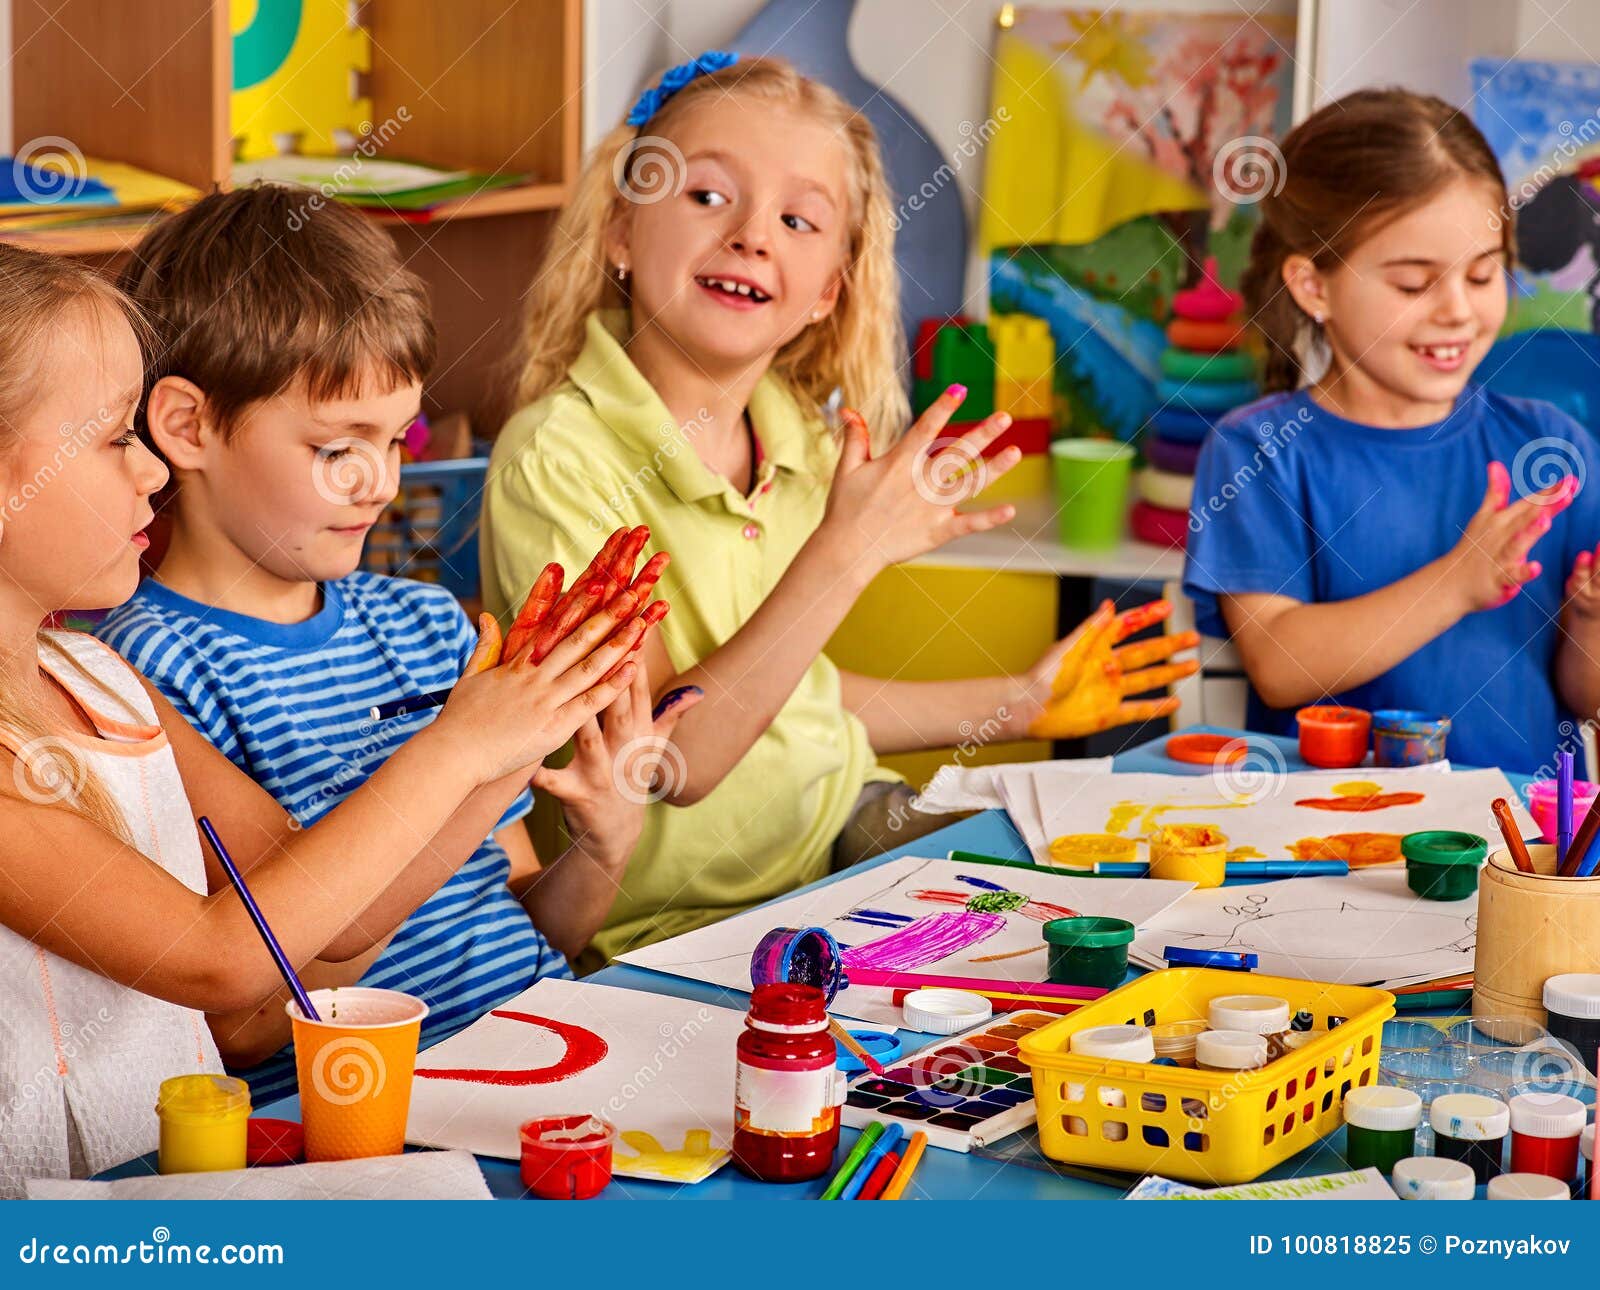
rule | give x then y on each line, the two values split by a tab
355	1068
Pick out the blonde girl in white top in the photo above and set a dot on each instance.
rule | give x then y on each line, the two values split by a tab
116	933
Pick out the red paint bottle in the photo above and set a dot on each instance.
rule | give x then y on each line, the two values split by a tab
787	1090
1545	1129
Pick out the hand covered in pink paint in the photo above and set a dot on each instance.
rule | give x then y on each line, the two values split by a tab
1490	564
1582	605
1081	685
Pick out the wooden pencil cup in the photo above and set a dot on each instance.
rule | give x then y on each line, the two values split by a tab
1531	926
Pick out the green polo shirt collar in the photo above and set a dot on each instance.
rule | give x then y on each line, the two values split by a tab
629	404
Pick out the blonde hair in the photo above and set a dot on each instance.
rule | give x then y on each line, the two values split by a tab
857	349
39	295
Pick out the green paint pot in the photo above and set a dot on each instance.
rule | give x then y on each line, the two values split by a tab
1088	950
1442	864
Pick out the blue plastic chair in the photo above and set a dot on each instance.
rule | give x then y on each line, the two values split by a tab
430	532
1561	367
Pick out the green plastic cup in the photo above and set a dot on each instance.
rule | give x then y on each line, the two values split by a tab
1092	477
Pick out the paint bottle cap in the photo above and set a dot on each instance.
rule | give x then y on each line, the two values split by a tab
1547	1115
1377	1106
1469	1117
886	1048
1574	994
1230	1050
1444	846
273	1142
1527	1187
1259	1014
1119	1043
938	1011
1300	1038
1434	1178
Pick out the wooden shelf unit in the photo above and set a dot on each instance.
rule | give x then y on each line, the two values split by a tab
489	85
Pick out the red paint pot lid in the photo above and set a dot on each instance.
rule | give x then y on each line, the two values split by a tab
1206	750
273	1142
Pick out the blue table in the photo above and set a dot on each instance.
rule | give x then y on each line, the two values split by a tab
942	1175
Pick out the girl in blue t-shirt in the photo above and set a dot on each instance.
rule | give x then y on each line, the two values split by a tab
1356	532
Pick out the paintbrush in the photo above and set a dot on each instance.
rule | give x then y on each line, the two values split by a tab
1582	841
1513	835
848	1041
256	917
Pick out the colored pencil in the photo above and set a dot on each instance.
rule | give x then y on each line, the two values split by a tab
251	908
1583	842
887	1141
851	1045
1564	807
976	857
1460	981
978	985
406	706
1431	999
880	1177
908	1163
1513	835
858	1153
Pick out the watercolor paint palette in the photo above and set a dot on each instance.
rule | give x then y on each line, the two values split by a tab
972	1083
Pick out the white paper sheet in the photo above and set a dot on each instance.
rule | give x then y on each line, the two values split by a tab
1267	817
658	1068
915	915
980	788
1363	929
418	1175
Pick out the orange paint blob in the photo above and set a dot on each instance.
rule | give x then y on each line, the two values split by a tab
1361	802
1358	850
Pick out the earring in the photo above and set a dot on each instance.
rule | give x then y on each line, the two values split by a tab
622	273
1316	317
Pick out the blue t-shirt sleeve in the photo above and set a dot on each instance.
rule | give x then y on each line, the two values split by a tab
1247	531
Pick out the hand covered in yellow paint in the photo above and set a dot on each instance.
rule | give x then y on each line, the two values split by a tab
1089	676
695	1160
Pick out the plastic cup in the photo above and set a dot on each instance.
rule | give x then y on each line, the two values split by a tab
1092	478
355	1068
1542	804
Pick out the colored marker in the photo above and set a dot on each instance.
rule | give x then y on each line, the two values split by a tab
1517	848
887	1141
1238	870
251	908
1431	999
978	985
880	1177
405	707
869	1135
1564	808
908	1163
1583	854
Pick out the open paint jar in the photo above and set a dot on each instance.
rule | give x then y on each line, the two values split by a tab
566	1157
1542	804
1088	950
1403	737
1334	737
1196	853
1442	864
204	1121
799	956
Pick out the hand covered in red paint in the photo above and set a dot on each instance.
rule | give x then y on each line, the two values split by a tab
1490	564
1582	606
622	761
902	503
1081	686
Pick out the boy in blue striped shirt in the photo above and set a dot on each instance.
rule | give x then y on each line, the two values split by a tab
284	369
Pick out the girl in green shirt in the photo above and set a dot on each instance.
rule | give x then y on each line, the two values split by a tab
725	265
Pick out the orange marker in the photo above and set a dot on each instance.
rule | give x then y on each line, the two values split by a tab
1513	837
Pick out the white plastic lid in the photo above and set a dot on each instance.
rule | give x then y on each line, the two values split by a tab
1547	1115
1586	1142
1124	1043
944	1012
1574	994
1527	1187
1231	1050
1433	1178
1469	1117
1300	1038
1257	1014
1377	1106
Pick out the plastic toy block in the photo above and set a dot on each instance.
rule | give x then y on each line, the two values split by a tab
1023	400
1024	350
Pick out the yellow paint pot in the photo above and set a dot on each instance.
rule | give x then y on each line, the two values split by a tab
1085	850
1196	853
204	1123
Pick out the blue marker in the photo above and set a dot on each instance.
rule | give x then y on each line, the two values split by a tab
979	882
887	1141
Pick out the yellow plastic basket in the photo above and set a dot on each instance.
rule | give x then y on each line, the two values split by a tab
1202	1126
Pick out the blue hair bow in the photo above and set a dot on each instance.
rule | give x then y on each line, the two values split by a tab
674	79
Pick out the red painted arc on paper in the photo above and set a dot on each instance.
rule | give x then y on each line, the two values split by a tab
584	1049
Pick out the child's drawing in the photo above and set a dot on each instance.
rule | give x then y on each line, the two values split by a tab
1367	928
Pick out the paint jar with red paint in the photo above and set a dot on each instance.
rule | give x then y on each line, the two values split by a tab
1544	1134
787	1089
567	1157
1334	737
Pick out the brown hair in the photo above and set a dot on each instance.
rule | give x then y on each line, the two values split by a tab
253	290
1348	169
41	296
856	348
